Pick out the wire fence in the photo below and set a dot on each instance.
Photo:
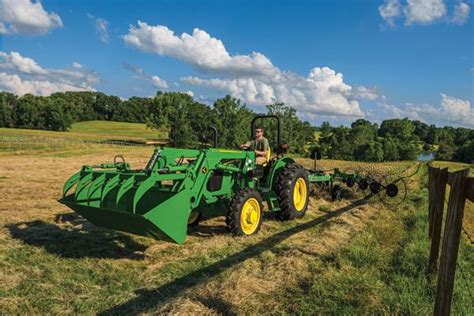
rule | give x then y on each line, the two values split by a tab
23	142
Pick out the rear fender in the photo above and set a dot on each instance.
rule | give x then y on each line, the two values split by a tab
275	169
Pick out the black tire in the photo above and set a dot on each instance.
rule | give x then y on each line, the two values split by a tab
194	219
234	219
287	179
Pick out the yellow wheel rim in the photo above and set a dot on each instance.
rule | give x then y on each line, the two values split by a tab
250	216
193	217
300	194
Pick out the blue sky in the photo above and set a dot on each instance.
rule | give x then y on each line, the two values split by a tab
332	60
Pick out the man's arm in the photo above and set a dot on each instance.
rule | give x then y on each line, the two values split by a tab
246	145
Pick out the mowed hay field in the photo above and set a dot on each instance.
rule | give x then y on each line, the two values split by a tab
347	256
80	135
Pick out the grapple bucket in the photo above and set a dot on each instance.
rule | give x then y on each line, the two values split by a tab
129	201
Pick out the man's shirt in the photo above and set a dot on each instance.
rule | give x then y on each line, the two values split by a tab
260	144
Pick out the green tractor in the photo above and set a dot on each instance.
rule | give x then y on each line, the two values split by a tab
179	186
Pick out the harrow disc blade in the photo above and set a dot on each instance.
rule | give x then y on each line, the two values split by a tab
363	184
395	191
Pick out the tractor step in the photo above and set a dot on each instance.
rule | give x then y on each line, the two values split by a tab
272	200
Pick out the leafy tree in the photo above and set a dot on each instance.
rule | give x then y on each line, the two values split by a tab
295	132
28	112
445	151
465	153
390	149
462	136
431	135
7	104
340	145
232	120
421	130
363	138
408	151
185	119
134	110
55	118
401	129
372	151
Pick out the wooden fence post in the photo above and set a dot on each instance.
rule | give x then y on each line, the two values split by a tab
451	238
432	175
439	194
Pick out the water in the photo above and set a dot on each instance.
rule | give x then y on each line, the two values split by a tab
425	157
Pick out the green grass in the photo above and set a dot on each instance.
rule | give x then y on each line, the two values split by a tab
453	166
81	136
93	130
121	130
382	271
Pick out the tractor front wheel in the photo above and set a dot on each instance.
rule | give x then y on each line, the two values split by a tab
292	189
194	219
245	214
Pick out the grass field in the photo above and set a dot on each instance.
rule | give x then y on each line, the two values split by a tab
95	130
346	257
83	136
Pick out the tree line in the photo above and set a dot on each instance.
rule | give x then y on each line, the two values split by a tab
187	122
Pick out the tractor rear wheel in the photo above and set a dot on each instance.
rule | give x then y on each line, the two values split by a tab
292	189
245	214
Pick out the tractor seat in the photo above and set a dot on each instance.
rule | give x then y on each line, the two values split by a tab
269	154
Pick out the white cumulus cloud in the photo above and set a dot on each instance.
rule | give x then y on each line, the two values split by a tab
140	73
363	93
159	83
457	110
461	13
323	91
20	75
252	77
389	10
423	12
14	60
26	17
15	84
450	111
198	49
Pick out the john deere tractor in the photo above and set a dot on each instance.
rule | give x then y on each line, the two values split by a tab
179	186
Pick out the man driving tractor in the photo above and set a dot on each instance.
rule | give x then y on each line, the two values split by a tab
259	145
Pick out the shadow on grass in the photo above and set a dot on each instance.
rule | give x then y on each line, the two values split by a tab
207	230
151	298
80	240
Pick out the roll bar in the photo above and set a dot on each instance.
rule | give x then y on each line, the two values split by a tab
214	136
